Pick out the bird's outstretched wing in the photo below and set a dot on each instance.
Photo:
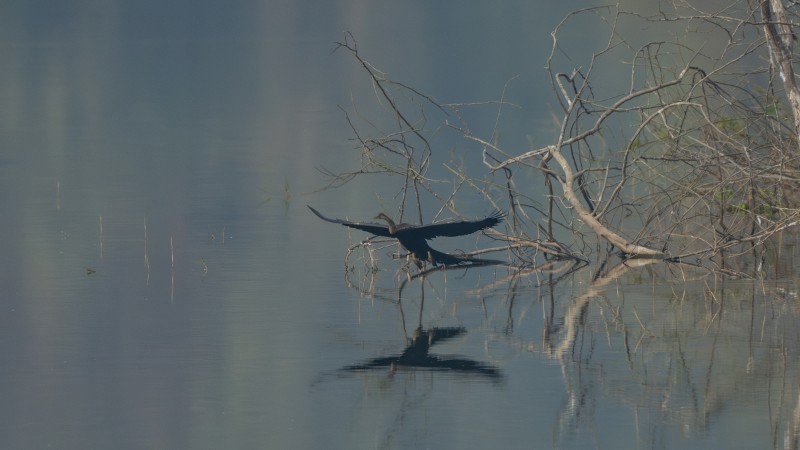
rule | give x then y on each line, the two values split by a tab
374	228
459	228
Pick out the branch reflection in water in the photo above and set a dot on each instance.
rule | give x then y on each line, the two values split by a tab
676	345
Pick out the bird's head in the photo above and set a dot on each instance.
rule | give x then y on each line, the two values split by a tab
388	220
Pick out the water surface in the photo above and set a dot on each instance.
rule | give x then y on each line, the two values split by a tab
164	285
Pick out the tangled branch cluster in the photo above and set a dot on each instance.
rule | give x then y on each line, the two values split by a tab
696	155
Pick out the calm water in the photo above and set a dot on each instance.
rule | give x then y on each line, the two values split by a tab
164	285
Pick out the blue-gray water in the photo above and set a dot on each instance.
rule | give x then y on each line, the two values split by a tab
164	285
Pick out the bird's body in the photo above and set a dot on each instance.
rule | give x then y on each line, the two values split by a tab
414	238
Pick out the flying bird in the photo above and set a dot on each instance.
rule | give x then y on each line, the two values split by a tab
414	238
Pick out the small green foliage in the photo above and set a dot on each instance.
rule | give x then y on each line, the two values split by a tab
731	125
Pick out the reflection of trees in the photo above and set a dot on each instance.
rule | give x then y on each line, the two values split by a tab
685	349
688	358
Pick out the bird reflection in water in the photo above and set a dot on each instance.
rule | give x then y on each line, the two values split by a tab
417	355
417	352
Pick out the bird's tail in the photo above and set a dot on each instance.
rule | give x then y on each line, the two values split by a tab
438	257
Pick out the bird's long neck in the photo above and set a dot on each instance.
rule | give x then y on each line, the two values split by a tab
392	226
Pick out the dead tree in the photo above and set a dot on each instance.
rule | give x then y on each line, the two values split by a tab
710	162
703	158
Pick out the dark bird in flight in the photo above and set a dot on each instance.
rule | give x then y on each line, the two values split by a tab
415	237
